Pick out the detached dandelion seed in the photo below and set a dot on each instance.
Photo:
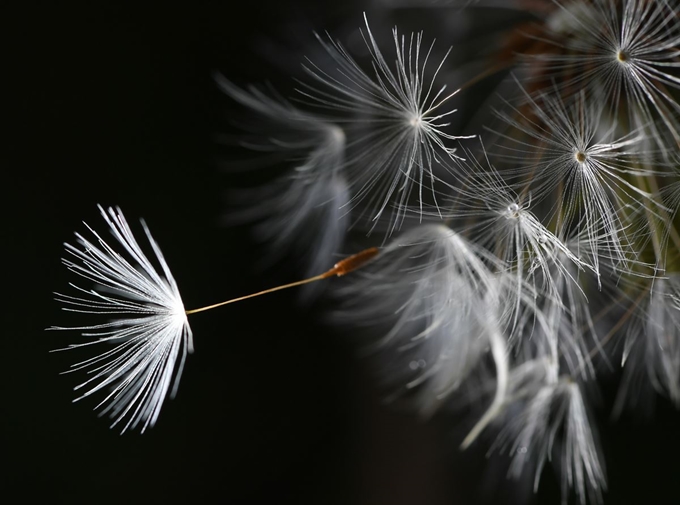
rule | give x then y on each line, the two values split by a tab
147	323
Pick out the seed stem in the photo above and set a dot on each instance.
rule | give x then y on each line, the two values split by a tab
341	268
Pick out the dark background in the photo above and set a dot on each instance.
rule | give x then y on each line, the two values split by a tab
115	104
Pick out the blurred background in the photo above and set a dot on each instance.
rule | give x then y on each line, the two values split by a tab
116	104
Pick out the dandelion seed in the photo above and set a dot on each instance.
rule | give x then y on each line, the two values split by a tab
303	212
443	307
531	435
395	121
501	220
425	296
147	325
651	355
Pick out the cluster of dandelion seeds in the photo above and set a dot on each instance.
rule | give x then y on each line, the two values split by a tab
514	249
